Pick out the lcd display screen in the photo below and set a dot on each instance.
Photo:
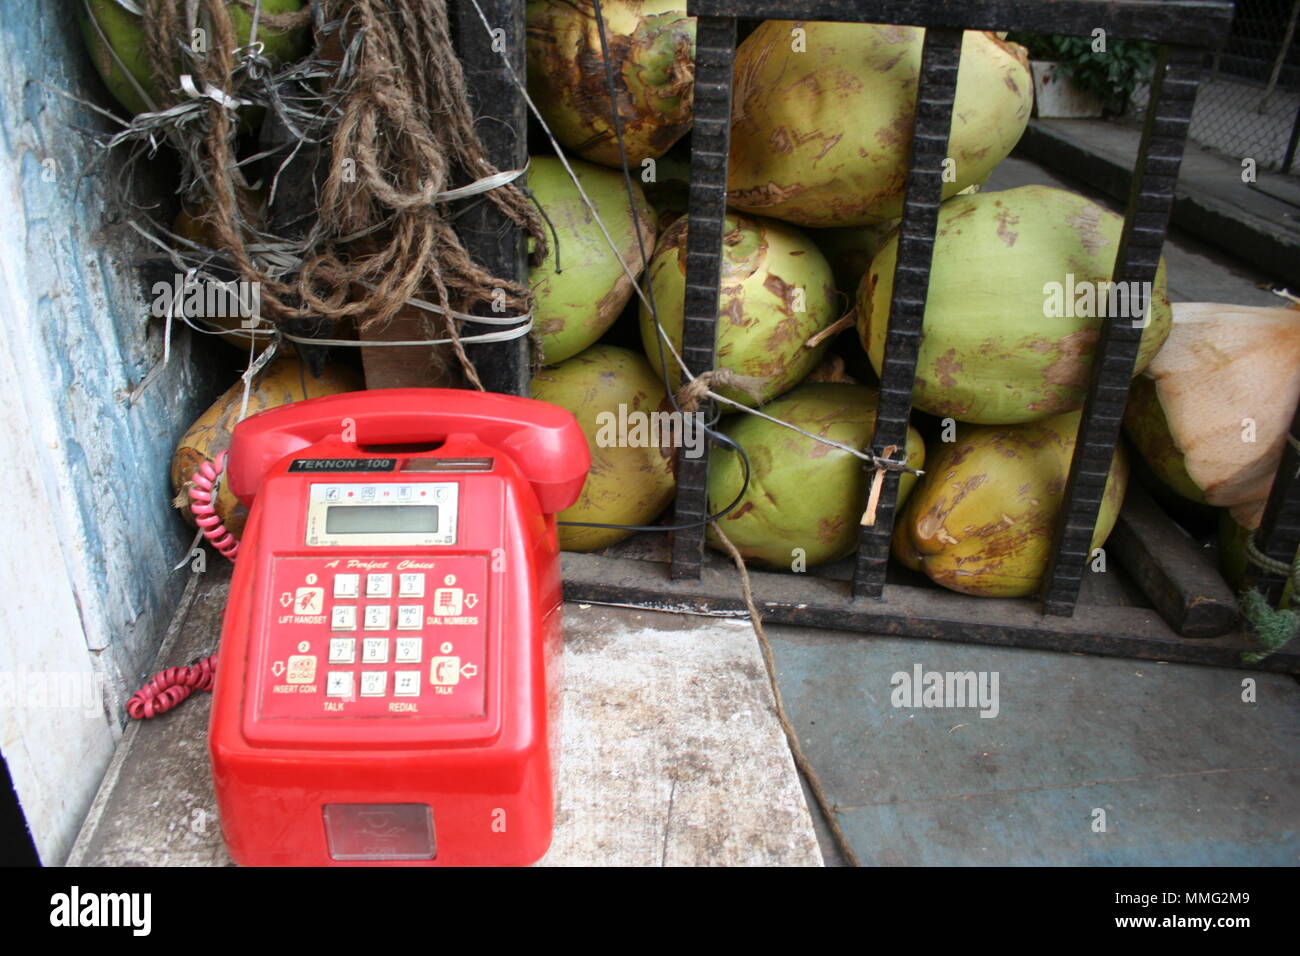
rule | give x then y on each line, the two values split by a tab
381	519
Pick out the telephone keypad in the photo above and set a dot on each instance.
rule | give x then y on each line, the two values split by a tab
373	621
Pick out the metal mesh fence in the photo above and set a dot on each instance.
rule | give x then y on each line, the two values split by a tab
1249	99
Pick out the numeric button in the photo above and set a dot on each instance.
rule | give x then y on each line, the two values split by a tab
346	585
379	585
343	618
409	650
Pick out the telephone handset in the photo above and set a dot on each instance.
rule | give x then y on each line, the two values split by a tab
386	690
543	440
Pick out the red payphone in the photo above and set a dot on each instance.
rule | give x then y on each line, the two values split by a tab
387	686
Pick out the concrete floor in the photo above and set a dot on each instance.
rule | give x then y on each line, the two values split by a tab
1185	771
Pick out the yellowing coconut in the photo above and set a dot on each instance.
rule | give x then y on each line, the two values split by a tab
116	39
982	518
1018	286
822	118
630	482
652	49
574	306
777	292
1211	413
805	498
283	381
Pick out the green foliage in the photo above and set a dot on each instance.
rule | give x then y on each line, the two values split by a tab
1111	75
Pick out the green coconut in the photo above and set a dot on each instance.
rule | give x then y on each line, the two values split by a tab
850	249
1148	429
116	39
652	49
1012	317
822	118
802	494
777	292
982	518
630	482
575	305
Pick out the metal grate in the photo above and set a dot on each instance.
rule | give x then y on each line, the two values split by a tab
1146	220
1185	29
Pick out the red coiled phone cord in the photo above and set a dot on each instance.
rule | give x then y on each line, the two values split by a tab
168	688
203	504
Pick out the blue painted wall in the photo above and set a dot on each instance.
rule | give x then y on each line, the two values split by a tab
76	316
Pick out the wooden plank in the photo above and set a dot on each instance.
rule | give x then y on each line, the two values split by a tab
906	611
1177	575
501	120
1196	22
414	366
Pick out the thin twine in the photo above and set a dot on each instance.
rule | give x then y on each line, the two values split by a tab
829	810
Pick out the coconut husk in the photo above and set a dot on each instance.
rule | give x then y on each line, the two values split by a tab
1224	364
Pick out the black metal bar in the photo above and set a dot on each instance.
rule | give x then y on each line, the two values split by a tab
1151	198
920	612
1279	530
715	48
1291	144
940	56
501	121
1191	22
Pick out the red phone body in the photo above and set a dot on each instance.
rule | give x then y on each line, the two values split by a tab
388	682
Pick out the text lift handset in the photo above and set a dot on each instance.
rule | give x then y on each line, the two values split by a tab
387	686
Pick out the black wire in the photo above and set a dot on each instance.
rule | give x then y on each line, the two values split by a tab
744	487
711	432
